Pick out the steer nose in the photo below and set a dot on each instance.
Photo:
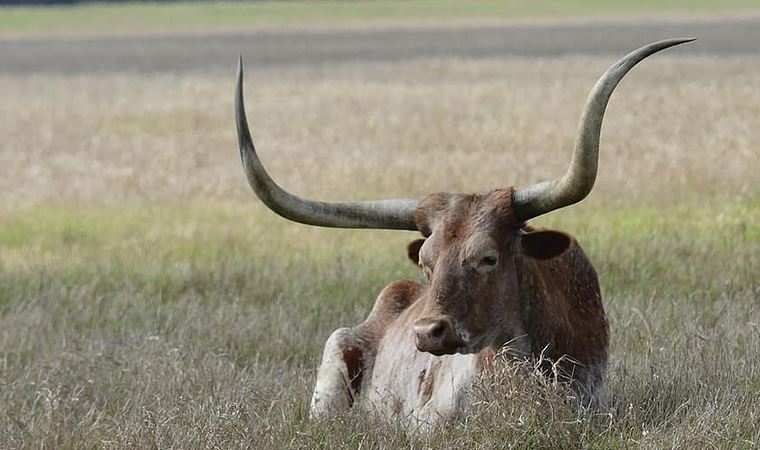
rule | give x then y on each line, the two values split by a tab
436	335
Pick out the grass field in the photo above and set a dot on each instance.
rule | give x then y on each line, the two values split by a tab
147	299
226	15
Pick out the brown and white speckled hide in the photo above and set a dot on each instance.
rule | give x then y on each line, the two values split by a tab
379	363
492	280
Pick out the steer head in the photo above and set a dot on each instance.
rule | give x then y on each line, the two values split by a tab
473	242
469	256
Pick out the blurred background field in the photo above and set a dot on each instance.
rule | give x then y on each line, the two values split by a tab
148	299
162	17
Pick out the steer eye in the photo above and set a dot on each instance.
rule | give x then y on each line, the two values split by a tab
489	261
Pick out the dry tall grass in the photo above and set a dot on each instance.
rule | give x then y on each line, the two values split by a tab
683	125
148	301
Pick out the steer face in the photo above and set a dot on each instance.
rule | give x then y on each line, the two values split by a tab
470	257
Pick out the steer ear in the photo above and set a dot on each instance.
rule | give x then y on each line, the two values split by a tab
545	244
413	250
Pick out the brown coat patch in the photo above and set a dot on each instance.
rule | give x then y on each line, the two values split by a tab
354	360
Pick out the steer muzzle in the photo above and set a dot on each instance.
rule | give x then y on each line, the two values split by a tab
436	335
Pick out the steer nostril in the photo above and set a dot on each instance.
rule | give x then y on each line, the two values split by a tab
436	335
437	330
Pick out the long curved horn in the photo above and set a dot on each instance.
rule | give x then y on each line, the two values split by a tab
576	184
396	214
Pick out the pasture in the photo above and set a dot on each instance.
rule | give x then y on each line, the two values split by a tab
172	17
148	299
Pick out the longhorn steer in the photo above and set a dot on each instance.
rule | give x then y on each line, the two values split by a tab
492	280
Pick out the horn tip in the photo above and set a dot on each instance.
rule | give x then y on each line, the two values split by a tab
683	40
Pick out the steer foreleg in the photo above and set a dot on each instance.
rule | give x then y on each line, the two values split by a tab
340	374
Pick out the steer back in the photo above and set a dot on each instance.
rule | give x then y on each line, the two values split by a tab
565	321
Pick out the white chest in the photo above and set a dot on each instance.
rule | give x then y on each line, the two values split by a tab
417	386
